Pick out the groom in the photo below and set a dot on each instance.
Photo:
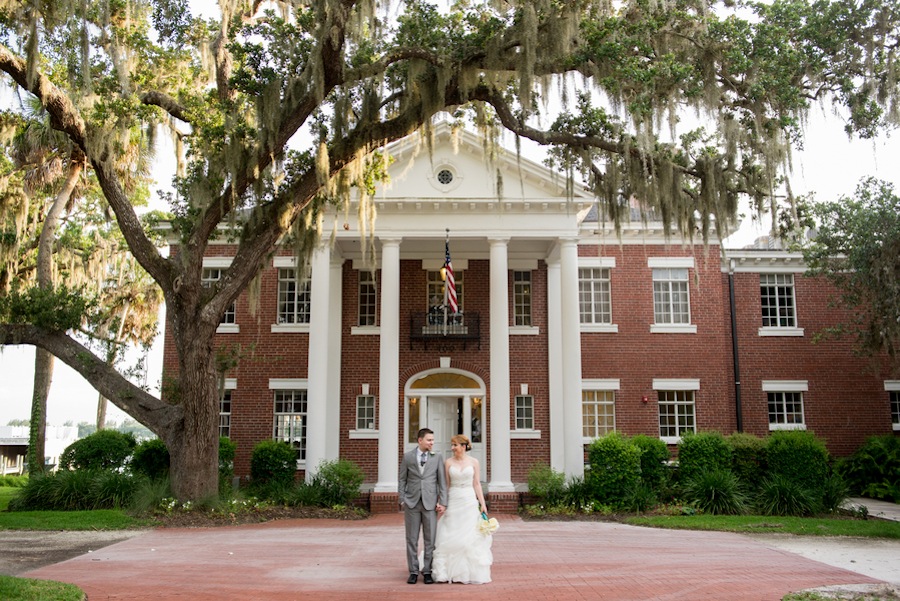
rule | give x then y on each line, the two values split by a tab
423	494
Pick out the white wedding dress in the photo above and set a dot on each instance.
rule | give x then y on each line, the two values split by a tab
461	552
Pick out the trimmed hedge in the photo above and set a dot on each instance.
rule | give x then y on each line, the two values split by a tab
102	450
615	469
702	452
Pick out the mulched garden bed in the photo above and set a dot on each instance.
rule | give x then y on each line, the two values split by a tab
209	519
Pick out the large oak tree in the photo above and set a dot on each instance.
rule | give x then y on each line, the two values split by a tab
279	106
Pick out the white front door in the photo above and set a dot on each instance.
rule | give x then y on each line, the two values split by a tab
443	418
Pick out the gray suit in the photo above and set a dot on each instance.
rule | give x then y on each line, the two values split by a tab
421	489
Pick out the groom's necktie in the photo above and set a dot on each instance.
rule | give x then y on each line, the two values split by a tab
422	459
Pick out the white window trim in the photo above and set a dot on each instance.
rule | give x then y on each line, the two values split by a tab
365	330
230	384
437	264
524	330
282	328
670	262
285	262
601	384
676	384
363	434
525	434
597	262
785	385
228	328
673	328
288	384
776	331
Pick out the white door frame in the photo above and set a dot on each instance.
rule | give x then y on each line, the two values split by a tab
443	395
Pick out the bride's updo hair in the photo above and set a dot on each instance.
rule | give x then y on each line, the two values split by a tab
462	441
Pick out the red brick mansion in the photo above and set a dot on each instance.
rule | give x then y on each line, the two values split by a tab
563	332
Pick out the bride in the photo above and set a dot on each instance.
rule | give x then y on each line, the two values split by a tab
462	553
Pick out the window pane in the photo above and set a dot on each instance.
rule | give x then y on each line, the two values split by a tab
777	300
671	296
368	299
225	414
594	295
676	412
293	297
895	407
598	411
785	407
522	298
209	277
290	419
524	412
365	412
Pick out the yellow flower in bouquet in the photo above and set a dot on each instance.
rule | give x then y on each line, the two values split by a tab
488	525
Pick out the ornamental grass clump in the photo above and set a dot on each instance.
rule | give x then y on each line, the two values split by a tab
716	491
782	495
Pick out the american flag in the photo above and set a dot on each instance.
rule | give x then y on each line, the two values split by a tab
450	288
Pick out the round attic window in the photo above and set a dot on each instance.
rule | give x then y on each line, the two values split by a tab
444	176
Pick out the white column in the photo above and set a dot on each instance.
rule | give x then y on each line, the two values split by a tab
333	413
555	367
501	473
389	368
571	358
317	367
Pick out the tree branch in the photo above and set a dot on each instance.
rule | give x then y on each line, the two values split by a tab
167	103
136	402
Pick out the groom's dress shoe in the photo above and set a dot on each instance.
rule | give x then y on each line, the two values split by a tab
428	579
412	579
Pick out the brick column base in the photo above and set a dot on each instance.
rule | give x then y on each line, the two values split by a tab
503	502
384	502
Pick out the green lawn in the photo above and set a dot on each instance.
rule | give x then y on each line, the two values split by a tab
100	519
6	493
27	589
788	525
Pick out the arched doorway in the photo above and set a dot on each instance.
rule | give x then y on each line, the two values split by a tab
449	401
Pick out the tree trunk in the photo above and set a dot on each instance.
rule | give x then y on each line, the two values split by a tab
194	442
43	360
43	376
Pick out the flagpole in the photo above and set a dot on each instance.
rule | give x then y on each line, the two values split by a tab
446	288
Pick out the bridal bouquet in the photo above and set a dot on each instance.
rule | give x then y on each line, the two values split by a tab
488	526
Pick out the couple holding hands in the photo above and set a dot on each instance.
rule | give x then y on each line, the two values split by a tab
456	549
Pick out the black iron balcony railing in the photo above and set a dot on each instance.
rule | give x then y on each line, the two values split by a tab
436	325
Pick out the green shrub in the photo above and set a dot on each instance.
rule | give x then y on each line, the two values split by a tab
227	449
76	490
273	462
102	450
800	456
151	459
716	491
748	458
303	495
782	495
339	482
546	484
702	452
874	469
148	495
615	469
654	455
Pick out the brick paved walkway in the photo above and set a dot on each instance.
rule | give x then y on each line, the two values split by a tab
541	561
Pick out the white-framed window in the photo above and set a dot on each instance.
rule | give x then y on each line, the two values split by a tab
293	297
594	295
524	412
225	414
677	408
893	389
776	291
785	403
365	412
368	299
290	419
208	277
598	413
225	398
522	298
434	288
671	296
